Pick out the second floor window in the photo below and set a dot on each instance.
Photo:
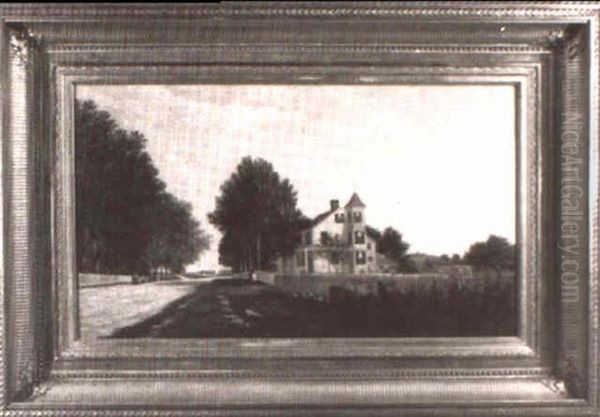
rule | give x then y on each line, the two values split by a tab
339	218
308	238
361	258
359	237
357	215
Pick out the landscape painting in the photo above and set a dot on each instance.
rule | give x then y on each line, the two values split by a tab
296	211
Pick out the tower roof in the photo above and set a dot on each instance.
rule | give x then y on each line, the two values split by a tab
355	201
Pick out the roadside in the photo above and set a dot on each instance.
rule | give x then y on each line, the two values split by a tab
104	309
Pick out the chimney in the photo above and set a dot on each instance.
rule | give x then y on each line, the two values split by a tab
334	204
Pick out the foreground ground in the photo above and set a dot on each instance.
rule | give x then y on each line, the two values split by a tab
235	308
239	308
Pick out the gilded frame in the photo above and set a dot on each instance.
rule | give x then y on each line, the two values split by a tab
548	52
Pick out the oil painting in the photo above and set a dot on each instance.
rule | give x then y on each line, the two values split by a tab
290	211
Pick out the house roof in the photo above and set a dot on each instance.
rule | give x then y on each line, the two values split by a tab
355	201
320	218
372	232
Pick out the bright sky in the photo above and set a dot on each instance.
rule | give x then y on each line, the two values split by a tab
435	162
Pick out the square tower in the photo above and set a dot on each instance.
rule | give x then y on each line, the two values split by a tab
357	236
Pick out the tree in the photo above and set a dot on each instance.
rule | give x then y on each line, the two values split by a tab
495	253
126	220
393	247
257	216
177	239
390	244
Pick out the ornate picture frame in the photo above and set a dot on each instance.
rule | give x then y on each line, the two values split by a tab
549	52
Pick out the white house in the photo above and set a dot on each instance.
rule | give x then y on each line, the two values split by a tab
336	242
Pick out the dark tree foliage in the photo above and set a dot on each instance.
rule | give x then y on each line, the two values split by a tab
126	221
177	239
394	248
390	244
257	216
495	253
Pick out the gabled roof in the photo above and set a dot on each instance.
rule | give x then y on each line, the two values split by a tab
355	201
315	221
320	218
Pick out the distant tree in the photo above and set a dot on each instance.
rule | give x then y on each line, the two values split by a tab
456	258
177	239
445	258
257	215
394	248
495	253
428	265
122	204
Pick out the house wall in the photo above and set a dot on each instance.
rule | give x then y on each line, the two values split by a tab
371	249
330	226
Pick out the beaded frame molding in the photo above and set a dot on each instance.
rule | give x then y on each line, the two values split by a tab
548	51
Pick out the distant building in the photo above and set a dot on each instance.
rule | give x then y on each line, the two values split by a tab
336	242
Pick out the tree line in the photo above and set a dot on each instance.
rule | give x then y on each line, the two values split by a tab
127	222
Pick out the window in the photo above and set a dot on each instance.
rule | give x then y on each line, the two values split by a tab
325	239
335	258
368	246
359	237
360	257
357	216
308	238
300	258
339	217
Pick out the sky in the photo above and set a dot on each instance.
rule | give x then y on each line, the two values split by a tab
436	162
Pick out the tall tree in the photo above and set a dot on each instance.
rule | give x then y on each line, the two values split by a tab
495	253
122	203
257	216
